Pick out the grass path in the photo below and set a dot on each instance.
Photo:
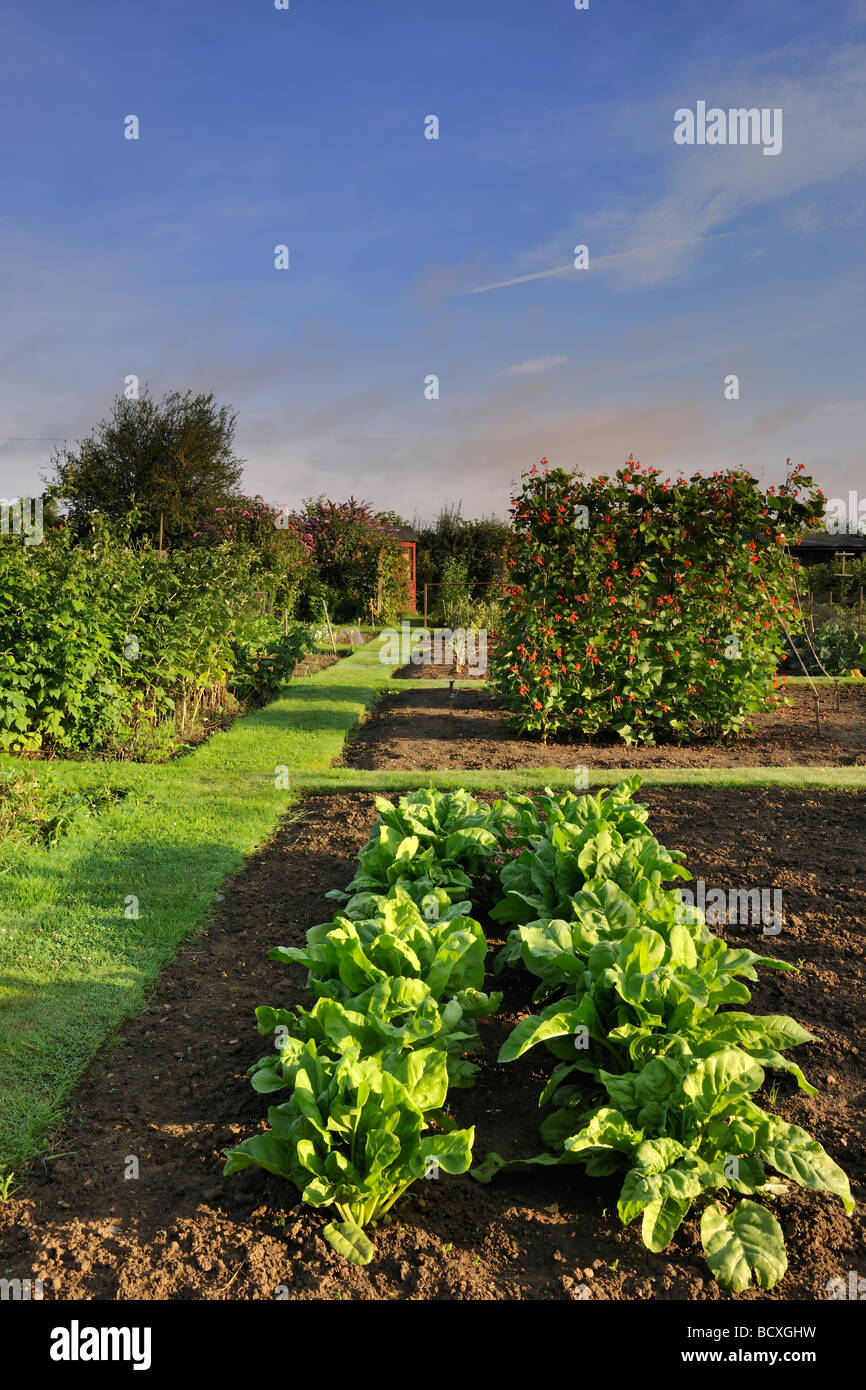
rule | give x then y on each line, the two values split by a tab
520	779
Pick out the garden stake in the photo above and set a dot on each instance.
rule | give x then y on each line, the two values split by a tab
330	629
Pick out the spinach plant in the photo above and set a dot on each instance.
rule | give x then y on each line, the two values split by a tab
655	1070
431	839
352	1137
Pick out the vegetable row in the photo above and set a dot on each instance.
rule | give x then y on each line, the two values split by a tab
396	978
639	1004
656	1063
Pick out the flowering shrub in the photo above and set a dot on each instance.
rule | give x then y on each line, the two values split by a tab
352	548
645	607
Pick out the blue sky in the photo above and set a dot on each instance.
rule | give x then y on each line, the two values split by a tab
305	127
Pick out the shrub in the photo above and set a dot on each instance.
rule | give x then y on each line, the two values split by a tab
278	552
264	658
648	608
352	548
108	648
477	544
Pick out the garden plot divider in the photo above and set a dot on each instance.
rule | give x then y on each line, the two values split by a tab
650	1075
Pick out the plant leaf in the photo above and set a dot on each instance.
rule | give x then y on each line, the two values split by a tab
349	1240
741	1243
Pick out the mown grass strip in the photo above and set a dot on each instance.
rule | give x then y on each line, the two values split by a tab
74	959
827	681
519	779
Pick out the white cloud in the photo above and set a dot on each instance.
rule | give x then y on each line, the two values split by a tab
522	279
536	365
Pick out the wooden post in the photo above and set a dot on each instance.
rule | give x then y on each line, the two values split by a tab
330	629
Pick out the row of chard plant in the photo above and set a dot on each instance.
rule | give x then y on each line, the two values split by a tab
656	1065
397	979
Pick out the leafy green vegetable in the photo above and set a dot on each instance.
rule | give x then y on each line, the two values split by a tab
742	1242
393	1016
351	1136
651	1077
397	979
431	839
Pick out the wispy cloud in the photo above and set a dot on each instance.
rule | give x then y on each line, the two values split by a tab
522	279
535	365
611	261
701	191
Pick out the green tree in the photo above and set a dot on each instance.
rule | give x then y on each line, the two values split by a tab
174	457
479	545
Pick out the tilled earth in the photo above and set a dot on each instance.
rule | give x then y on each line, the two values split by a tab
171	1093
423	728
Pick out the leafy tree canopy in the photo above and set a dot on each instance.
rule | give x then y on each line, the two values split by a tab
173	457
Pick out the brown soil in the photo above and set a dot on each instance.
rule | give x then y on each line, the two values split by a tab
431	672
172	1093
423	729
317	661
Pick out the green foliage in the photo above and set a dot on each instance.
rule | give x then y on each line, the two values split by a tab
456	597
277	553
430	840
192	823
397	976
263	659
352	549
352	1136
109	648
411	973
478	546
655	1071
172	458
827	579
835	651
396	938
648	609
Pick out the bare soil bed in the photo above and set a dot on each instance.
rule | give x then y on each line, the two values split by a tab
172	1092
434	672
423	729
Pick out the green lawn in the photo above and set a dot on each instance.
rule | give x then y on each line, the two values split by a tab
519	779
